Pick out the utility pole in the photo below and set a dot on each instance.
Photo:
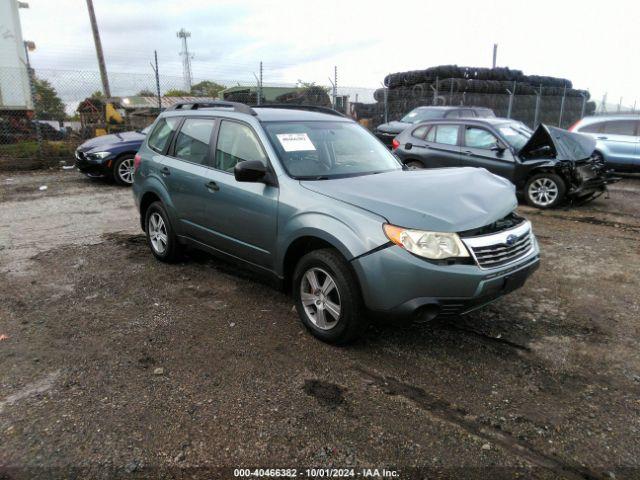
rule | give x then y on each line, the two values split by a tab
335	86
96	40
154	66
186	58
495	54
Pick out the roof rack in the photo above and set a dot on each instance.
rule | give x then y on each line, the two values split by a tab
237	107
310	108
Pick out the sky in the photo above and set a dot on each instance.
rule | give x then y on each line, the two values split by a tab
595	44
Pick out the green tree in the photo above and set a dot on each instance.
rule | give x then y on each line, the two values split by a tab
145	92
98	94
176	93
207	88
48	104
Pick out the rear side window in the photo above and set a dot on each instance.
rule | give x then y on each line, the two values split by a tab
446	134
479	138
193	140
237	143
620	127
420	132
161	134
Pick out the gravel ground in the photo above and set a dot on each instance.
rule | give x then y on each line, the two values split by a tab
115	365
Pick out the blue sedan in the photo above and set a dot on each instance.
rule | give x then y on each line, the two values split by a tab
110	156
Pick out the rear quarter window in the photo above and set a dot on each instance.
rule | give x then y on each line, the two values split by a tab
161	134
420	132
593	128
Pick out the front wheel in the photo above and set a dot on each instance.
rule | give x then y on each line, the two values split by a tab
123	170
327	297
544	190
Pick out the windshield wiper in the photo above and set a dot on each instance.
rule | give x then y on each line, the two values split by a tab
314	177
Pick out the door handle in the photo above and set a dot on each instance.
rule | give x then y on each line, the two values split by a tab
213	186
165	171
603	138
467	152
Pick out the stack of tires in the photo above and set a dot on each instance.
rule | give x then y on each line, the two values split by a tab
483	87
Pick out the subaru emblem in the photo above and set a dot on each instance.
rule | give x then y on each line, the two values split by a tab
511	239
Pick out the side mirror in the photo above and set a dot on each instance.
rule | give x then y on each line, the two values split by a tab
250	171
498	148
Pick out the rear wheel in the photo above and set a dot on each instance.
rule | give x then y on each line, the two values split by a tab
160	236
123	170
544	190
327	297
414	165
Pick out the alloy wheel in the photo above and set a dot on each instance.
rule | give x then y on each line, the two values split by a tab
158	233
543	191
125	170
320	298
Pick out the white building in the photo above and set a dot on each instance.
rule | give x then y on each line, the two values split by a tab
14	79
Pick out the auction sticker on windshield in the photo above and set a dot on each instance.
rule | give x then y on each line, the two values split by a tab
295	142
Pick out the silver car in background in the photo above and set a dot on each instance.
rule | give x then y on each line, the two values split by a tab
617	137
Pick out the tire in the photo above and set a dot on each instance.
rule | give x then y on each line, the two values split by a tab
599	158
154	228
123	170
544	190
343	292
414	165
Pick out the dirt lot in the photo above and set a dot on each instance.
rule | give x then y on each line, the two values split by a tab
545	383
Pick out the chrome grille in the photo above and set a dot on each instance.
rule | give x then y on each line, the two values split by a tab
491	251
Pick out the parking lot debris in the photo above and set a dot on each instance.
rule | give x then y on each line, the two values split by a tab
4	337
42	188
486	446
133	466
158	371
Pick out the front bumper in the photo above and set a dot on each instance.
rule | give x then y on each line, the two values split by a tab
395	282
93	168
592	183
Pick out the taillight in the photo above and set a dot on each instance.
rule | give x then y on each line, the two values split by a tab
136	161
395	144
573	127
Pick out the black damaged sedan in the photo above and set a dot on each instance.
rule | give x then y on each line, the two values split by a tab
548	166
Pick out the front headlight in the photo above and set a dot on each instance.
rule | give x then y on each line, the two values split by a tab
99	155
432	245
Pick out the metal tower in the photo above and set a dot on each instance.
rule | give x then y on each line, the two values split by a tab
186	58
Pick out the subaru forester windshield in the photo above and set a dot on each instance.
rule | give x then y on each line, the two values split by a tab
323	150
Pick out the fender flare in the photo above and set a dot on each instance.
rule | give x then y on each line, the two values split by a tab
155	187
341	235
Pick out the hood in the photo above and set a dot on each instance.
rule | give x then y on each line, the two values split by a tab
113	140
393	127
443	200
558	144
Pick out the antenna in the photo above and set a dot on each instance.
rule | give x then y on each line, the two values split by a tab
186	58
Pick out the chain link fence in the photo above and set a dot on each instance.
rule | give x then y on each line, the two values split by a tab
45	114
